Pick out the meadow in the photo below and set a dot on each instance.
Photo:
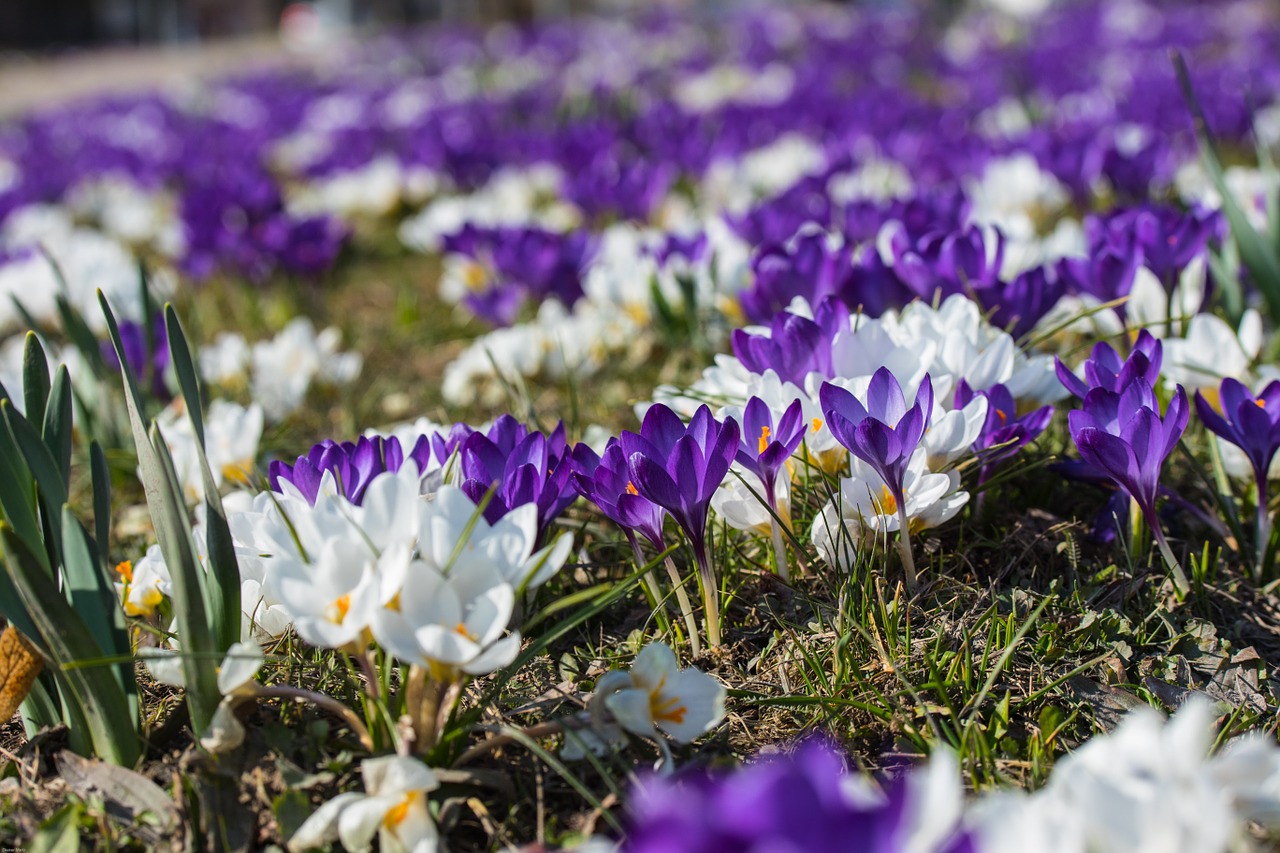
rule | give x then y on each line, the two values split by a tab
787	428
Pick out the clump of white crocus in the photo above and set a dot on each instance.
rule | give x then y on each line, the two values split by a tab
654	695
231	434
333	599
865	506
1150	786
393	807
460	541
285	367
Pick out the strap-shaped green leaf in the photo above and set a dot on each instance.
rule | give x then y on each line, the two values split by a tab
92	594
78	331
168	516
35	377
223	577
102	704
18	491
50	487
57	429
184	368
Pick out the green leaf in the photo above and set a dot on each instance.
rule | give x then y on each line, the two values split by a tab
61	832
78	331
50	487
222	581
168	516
17	489
35	376
185	369
100	476
92	594
94	688
57	429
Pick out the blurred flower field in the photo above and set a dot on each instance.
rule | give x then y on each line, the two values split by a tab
793	428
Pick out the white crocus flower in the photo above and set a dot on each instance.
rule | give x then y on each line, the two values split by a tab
951	434
333	600
450	624
145	584
1211	351
866	506
231	434
735	502
506	545
656	694
1151	786
1150	307
394	808
285	367
226	360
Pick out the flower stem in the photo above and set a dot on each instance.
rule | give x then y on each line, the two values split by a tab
1180	581
904	550
1263	527
686	606
333	706
651	584
710	595
780	552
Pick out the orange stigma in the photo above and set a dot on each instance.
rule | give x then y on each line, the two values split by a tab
764	438
817	424
125	571
631	488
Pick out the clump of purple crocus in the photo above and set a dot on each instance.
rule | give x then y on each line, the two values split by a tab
1124	436
520	466
679	468
795	346
1253	425
883	433
351	464
1105	369
605	480
805	801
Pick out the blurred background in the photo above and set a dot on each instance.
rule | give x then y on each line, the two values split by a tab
45	24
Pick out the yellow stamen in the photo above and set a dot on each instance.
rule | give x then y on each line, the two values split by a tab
474	276
237	472
764	438
817	424
888	504
1261	404
396	814
125	571
461	629
631	488
669	709
338	610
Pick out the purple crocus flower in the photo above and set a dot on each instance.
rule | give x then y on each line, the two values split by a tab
767	446
353	464
1004	432
884	433
605	480
679	468
1253	425
796	802
521	466
1104	369
795	346
1124	436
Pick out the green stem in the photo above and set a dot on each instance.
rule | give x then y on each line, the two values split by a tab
904	550
686	606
